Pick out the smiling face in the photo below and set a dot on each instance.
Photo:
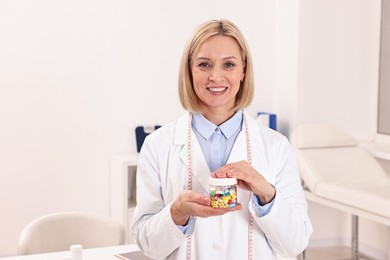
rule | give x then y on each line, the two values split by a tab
217	71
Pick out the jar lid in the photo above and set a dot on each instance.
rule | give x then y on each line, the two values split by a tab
222	181
76	248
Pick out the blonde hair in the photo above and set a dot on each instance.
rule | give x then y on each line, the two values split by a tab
187	95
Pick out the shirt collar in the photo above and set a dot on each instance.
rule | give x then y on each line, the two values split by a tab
206	128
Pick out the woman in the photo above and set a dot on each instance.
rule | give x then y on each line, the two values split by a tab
173	218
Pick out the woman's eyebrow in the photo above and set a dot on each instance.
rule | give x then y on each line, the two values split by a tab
224	58
230	57
202	58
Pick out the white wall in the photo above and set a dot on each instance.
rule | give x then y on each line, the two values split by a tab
338	63
76	78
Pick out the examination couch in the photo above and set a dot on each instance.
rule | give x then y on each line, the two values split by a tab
336	172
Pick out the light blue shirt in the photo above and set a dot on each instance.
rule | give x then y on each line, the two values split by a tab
216	143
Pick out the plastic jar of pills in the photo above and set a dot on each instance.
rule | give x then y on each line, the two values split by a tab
223	192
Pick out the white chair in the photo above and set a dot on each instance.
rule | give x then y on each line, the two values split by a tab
341	174
57	232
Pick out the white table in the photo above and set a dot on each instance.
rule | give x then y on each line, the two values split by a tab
378	150
379	147
101	253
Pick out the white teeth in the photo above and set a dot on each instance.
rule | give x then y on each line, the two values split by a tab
216	89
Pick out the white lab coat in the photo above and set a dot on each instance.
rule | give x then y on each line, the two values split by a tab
162	175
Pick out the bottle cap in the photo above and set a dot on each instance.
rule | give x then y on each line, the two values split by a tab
222	181
76	248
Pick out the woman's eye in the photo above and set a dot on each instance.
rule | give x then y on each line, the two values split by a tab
229	65
204	65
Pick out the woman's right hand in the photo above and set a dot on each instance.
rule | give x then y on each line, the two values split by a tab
189	203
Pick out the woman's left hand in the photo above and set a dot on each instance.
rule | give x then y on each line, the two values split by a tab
247	178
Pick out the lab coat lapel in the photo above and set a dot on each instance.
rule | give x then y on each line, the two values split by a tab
239	151
200	169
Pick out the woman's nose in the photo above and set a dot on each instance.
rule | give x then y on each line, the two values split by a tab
216	74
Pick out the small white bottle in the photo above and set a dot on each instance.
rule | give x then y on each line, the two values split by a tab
76	252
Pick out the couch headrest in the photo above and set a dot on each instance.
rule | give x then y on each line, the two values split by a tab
320	135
